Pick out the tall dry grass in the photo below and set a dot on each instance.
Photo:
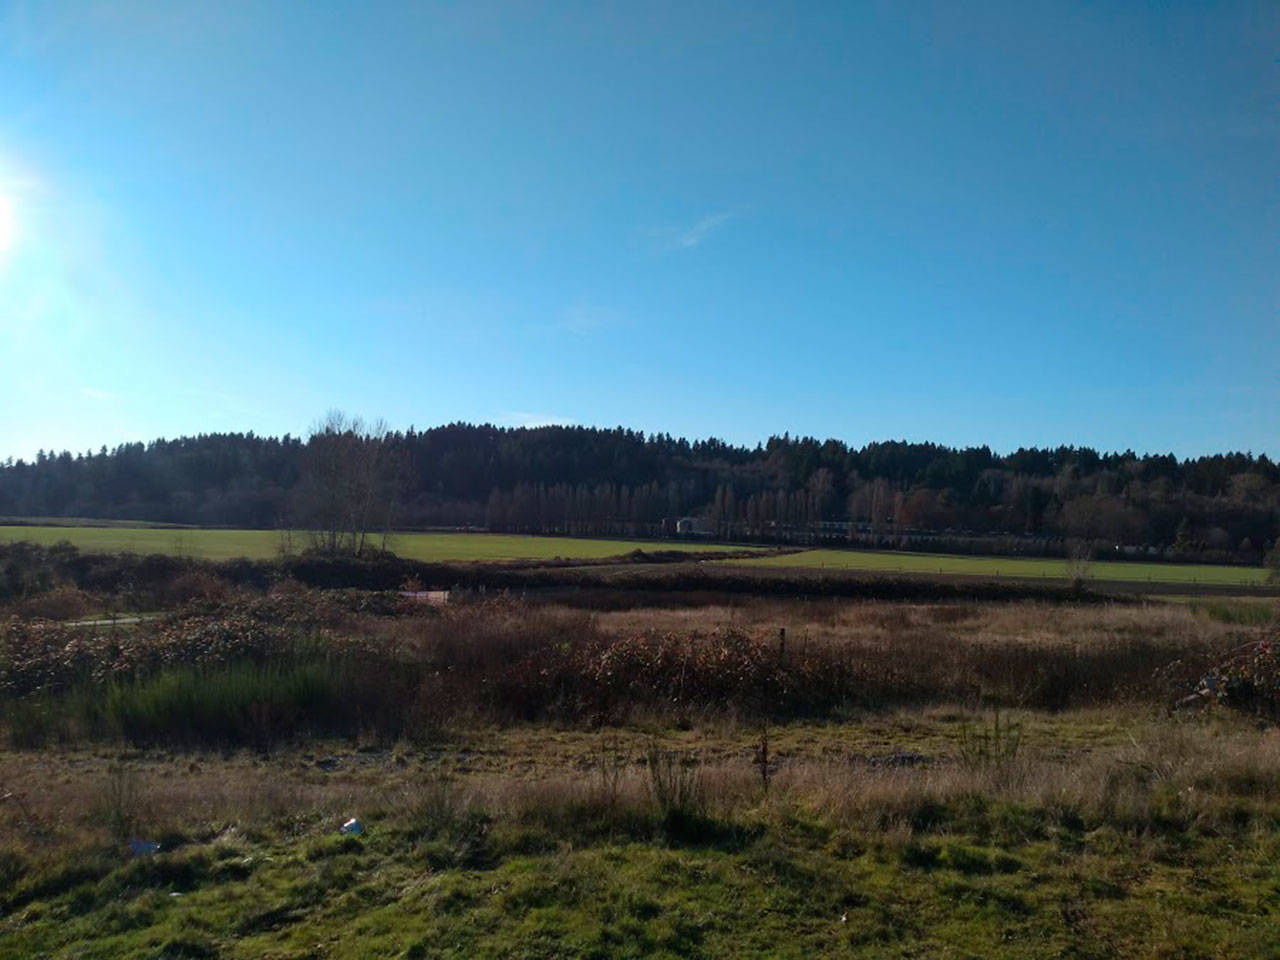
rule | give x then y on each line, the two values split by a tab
1204	777
351	663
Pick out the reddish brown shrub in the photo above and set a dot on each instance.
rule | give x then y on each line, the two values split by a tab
194	585
60	603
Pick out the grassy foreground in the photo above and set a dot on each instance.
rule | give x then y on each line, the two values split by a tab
1043	567
767	778
539	842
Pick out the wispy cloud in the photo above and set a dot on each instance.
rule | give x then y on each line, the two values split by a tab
93	393
523	418
583	318
693	236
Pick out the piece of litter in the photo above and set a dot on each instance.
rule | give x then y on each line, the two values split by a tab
143	848
352	826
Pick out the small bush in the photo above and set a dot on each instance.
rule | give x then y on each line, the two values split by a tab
194	585
60	603
1249	680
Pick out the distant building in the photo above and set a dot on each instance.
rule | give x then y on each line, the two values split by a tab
693	527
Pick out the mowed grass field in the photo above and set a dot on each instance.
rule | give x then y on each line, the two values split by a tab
452	547
262	544
1042	567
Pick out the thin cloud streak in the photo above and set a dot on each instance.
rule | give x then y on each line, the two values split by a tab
700	231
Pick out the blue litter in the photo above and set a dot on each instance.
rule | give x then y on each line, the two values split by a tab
352	826
143	848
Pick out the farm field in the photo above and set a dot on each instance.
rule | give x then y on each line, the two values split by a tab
223	544
1008	567
263	544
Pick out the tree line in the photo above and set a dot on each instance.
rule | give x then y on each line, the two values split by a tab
347	478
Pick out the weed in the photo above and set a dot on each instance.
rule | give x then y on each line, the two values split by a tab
121	803
990	744
611	763
677	787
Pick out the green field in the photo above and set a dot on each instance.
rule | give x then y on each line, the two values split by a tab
262	544
1009	567
443	547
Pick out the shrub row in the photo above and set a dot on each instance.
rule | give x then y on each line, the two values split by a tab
319	661
28	569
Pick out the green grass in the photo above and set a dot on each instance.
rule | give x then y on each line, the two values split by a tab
1157	874
785	895
1008	567
91	522
1112	834
1239	613
242	703
220	544
263	544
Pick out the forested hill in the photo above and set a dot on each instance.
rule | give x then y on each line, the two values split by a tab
586	480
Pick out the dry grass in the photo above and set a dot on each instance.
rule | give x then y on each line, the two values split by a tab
628	742
401	670
1195	775
1030	655
853	621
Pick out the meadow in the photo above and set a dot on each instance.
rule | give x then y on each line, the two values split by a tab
220	544
771	778
1022	567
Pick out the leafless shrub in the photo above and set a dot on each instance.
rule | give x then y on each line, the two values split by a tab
194	585
60	603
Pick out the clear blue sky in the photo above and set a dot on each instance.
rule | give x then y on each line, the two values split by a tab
1006	223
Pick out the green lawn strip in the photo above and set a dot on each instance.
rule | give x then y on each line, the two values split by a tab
214	544
92	522
218	544
896	562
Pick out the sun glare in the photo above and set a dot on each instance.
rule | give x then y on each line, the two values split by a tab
8	226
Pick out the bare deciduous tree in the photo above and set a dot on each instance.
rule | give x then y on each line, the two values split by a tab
351	474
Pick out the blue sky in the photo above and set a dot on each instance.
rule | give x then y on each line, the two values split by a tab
1005	223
